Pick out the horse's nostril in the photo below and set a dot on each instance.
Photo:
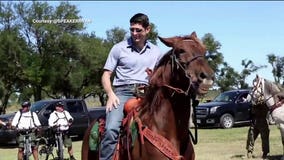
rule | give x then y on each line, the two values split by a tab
202	75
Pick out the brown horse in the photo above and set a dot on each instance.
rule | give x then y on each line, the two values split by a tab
162	118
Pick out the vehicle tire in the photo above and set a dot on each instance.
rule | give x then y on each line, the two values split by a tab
227	121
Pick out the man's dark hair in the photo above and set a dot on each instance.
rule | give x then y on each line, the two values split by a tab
141	19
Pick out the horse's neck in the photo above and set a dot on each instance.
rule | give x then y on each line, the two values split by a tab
269	96
269	100
182	109
173	113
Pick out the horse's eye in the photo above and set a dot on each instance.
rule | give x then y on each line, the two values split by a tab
182	51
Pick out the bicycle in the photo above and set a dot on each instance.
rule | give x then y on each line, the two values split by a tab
27	139
53	140
47	148
59	143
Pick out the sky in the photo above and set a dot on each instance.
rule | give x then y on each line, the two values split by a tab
246	29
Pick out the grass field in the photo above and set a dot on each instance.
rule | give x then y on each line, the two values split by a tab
226	144
213	144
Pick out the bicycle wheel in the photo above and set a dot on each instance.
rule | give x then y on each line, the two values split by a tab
46	149
26	149
60	147
44	153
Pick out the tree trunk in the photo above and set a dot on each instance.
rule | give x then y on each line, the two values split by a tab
37	93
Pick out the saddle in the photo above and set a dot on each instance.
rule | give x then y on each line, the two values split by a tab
131	129
98	128
128	131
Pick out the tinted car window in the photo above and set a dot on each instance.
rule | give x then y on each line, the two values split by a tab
49	109
38	105
226	97
74	106
243	97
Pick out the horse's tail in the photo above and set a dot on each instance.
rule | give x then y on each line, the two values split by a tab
86	153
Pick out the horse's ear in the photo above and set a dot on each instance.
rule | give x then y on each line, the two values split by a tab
170	42
193	34
257	76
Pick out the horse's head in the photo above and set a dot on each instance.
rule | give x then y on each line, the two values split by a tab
256	93
265	91
189	67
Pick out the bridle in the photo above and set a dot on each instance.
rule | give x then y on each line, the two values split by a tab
175	61
261	99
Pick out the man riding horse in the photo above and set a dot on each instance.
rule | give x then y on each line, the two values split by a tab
129	60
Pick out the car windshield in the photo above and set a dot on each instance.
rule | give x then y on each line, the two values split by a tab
38	105
226	97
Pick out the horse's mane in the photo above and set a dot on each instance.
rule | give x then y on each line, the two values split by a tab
273	87
153	95
161	74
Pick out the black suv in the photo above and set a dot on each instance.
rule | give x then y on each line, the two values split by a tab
227	109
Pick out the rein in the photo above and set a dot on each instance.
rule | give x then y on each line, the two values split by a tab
175	60
160	142
157	140
182	65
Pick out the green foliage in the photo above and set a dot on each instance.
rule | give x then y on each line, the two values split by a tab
12	49
277	63
153	35
228	78
115	35
249	68
215	58
44	56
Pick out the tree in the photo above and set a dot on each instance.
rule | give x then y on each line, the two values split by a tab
12	51
153	34
115	35
277	64
215	58
228	78
94	52
249	68
54	48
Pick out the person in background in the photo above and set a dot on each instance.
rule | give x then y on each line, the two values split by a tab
62	118
259	125
2	123
24	119
128	61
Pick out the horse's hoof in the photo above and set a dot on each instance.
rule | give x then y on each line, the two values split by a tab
249	155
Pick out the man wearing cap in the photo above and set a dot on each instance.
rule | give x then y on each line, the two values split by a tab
26	120
62	118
